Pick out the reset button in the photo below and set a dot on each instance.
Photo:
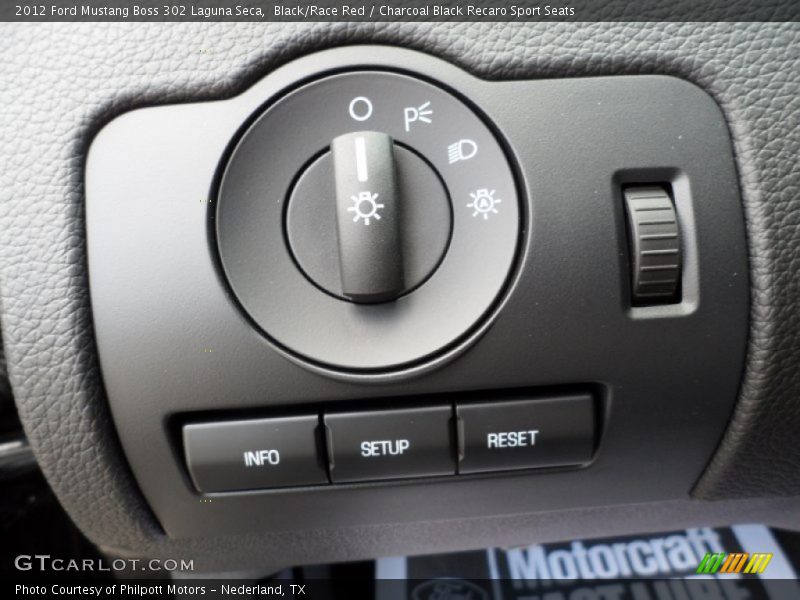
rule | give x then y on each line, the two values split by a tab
522	434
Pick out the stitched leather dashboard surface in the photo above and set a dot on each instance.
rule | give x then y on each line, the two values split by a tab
61	82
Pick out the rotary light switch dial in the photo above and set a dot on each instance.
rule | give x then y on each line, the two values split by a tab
368	221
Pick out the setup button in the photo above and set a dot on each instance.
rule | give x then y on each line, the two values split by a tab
392	444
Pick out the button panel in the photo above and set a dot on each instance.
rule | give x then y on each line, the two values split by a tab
390	444
439	440
549	432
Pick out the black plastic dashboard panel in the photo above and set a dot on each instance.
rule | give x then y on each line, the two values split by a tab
171	338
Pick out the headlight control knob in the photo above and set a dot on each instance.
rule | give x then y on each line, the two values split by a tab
368	220
370	258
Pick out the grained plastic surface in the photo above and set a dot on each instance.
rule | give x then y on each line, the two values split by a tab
172	340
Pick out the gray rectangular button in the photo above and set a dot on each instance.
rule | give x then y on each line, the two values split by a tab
521	434
390	444
254	454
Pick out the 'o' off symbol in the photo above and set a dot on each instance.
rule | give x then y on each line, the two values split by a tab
360	108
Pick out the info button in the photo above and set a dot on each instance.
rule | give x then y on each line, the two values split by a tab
521	434
253	454
390	444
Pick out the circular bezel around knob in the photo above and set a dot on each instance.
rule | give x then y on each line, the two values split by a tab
267	272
